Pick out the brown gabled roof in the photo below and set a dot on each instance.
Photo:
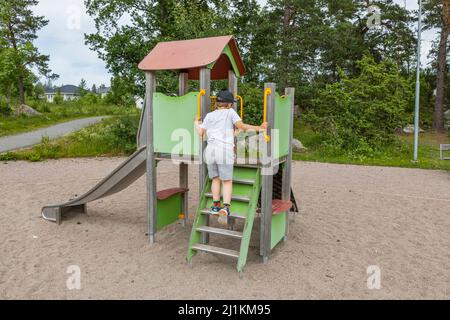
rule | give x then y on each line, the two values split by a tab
191	55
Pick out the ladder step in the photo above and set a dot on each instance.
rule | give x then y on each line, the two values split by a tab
240	164
244	181
249	182
232	214
222	232
216	250
236	198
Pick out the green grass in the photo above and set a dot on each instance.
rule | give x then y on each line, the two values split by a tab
115	136
399	154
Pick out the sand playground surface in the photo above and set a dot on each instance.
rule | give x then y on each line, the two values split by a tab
351	217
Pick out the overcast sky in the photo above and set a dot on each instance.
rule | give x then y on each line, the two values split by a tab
63	40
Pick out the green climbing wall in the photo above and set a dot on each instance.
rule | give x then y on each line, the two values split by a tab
174	122
282	123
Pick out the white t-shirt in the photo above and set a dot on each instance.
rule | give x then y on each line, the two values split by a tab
219	126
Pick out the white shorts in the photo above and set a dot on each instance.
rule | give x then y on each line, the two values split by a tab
220	161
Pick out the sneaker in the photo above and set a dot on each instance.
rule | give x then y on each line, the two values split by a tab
223	216
215	210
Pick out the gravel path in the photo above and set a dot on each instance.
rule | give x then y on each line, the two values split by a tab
29	139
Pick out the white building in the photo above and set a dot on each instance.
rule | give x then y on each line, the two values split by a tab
68	93
103	91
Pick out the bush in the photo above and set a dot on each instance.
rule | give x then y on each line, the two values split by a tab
122	133
89	99
5	109
361	114
58	99
253	103
41	106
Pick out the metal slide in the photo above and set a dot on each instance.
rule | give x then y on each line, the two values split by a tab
122	177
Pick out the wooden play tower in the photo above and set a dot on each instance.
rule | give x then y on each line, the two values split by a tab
262	175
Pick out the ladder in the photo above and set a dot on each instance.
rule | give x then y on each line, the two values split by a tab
246	191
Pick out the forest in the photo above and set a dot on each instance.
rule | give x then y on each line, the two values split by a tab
351	62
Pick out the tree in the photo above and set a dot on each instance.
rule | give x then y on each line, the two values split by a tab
437	15
38	91
58	99
298	43
360	113
94	89
7	73
82	88
120	94
305	42
162	20
18	30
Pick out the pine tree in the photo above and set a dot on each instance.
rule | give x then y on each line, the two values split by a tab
18	30
82	88
437	15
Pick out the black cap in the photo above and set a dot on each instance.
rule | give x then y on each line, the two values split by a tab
226	97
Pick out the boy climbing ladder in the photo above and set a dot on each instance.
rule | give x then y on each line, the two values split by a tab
219	155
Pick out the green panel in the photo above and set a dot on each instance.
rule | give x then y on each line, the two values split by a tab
230	56
173	118
245	173
283	115
278	229
242	190
227	51
168	211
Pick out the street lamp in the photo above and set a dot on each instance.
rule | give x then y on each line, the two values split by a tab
417	109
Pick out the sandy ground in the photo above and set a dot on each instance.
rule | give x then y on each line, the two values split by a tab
351	217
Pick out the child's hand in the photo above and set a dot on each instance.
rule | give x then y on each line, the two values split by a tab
264	126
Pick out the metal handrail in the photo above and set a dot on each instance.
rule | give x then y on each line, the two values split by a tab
199	101
267	92
241	101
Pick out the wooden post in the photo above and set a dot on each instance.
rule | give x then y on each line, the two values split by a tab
287	172
205	83
184	173
150	86
233	88
267	180
233	85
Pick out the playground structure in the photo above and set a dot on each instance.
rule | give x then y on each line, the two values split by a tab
262	178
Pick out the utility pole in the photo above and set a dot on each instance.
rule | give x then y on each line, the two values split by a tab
417	107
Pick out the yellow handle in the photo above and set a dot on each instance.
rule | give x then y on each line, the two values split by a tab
241	101
199	108
267	92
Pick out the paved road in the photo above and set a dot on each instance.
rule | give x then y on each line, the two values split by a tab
28	139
